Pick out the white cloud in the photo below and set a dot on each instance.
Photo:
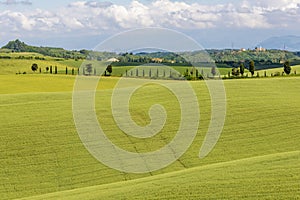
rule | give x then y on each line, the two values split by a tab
271	5
18	19
98	16
14	2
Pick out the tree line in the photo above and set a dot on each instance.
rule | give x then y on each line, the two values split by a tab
239	71
88	69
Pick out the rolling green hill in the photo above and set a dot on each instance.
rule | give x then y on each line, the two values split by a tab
18	46
257	155
13	66
280	70
264	177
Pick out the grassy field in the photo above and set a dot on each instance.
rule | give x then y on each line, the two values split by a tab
14	65
118	71
20	66
257	155
279	70
251	178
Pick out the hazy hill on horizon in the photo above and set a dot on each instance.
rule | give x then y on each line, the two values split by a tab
288	42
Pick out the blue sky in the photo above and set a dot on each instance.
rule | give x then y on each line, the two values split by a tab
84	23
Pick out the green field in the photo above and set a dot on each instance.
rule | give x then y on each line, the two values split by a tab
279	70
252	178
15	65
257	155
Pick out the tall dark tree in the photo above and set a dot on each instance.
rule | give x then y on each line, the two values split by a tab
89	68
252	67
242	69
109	69
34	67
213	70
235	71
287	67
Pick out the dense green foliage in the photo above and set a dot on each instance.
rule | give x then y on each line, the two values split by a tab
109	69
252	67
287	67
267	57
18	46
34	67
242	69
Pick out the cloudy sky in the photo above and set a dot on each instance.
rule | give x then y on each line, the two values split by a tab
83	24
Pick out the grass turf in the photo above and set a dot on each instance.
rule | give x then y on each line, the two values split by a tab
41	152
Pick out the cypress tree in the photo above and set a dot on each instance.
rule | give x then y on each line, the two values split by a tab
252	67
287	67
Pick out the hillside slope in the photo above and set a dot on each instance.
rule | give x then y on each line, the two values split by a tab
41	151
272	176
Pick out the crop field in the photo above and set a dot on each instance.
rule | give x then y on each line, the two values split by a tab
280	70
14	66
42	156
121	71
17	65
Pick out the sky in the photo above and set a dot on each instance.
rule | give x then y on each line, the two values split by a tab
85	23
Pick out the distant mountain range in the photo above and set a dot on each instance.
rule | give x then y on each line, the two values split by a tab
289	43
